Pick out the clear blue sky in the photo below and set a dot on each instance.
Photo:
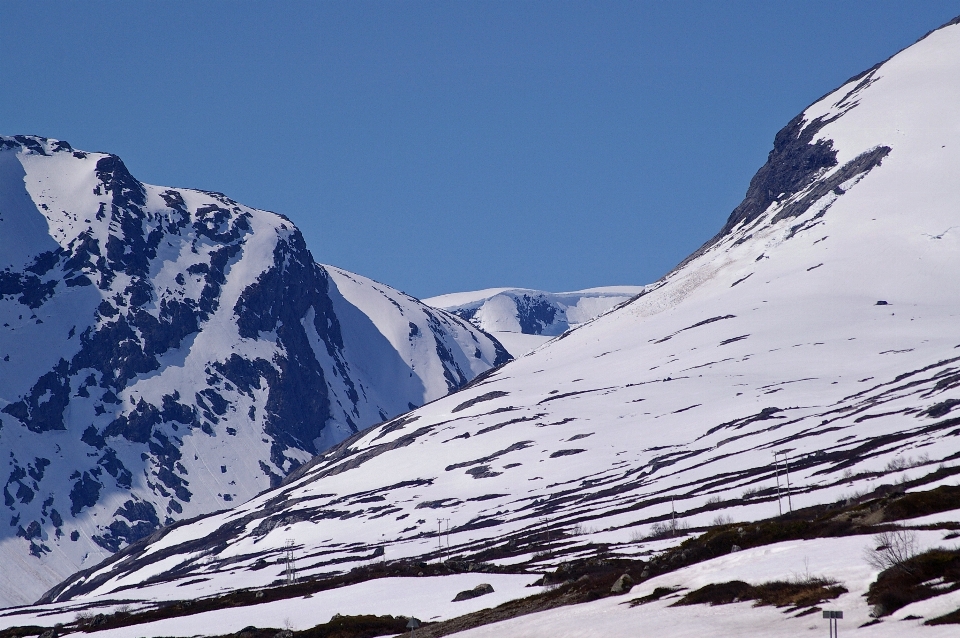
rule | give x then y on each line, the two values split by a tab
449	146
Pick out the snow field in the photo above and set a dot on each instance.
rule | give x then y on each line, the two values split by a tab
427	598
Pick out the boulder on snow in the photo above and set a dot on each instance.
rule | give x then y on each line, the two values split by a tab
623	585
480	590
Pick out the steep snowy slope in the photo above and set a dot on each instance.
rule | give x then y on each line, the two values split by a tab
524	319
821	322
166	352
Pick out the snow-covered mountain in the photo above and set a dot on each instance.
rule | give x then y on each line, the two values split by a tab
165	353
523	319
817	333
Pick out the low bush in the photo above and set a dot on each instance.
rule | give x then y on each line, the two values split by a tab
926	575
717	594
914	504
657	594
893	549
801	593
356	627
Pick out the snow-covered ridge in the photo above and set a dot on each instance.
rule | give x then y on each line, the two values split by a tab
533	312
820	327
523	319
167	352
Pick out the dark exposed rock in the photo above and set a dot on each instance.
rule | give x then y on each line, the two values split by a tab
144	521
297	405
622	585
940	409
482	471
42	409
480	590
85	493
489	396
534	314
570	452
796	163
117	180
452	373
137	426
486	459
792	165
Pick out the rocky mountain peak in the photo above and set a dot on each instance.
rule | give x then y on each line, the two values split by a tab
165	352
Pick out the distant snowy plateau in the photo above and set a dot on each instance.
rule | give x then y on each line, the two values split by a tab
167	352
523	319
822	321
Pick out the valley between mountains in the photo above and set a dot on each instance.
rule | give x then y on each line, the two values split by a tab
757	416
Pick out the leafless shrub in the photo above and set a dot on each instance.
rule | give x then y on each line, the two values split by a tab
722	519
855	497
897	463
806	576
713	500
664	529
750	492
892	549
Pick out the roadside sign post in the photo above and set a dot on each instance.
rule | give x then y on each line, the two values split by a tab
832	617
412	625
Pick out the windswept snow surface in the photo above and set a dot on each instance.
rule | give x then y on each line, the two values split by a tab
524	319
821	322
166	353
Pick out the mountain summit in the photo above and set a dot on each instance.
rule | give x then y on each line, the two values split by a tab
167	352
819	327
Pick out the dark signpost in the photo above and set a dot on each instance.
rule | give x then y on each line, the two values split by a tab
832	617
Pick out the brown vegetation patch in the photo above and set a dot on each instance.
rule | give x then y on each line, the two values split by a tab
941	499
657	594
366	626
795	594
926	575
